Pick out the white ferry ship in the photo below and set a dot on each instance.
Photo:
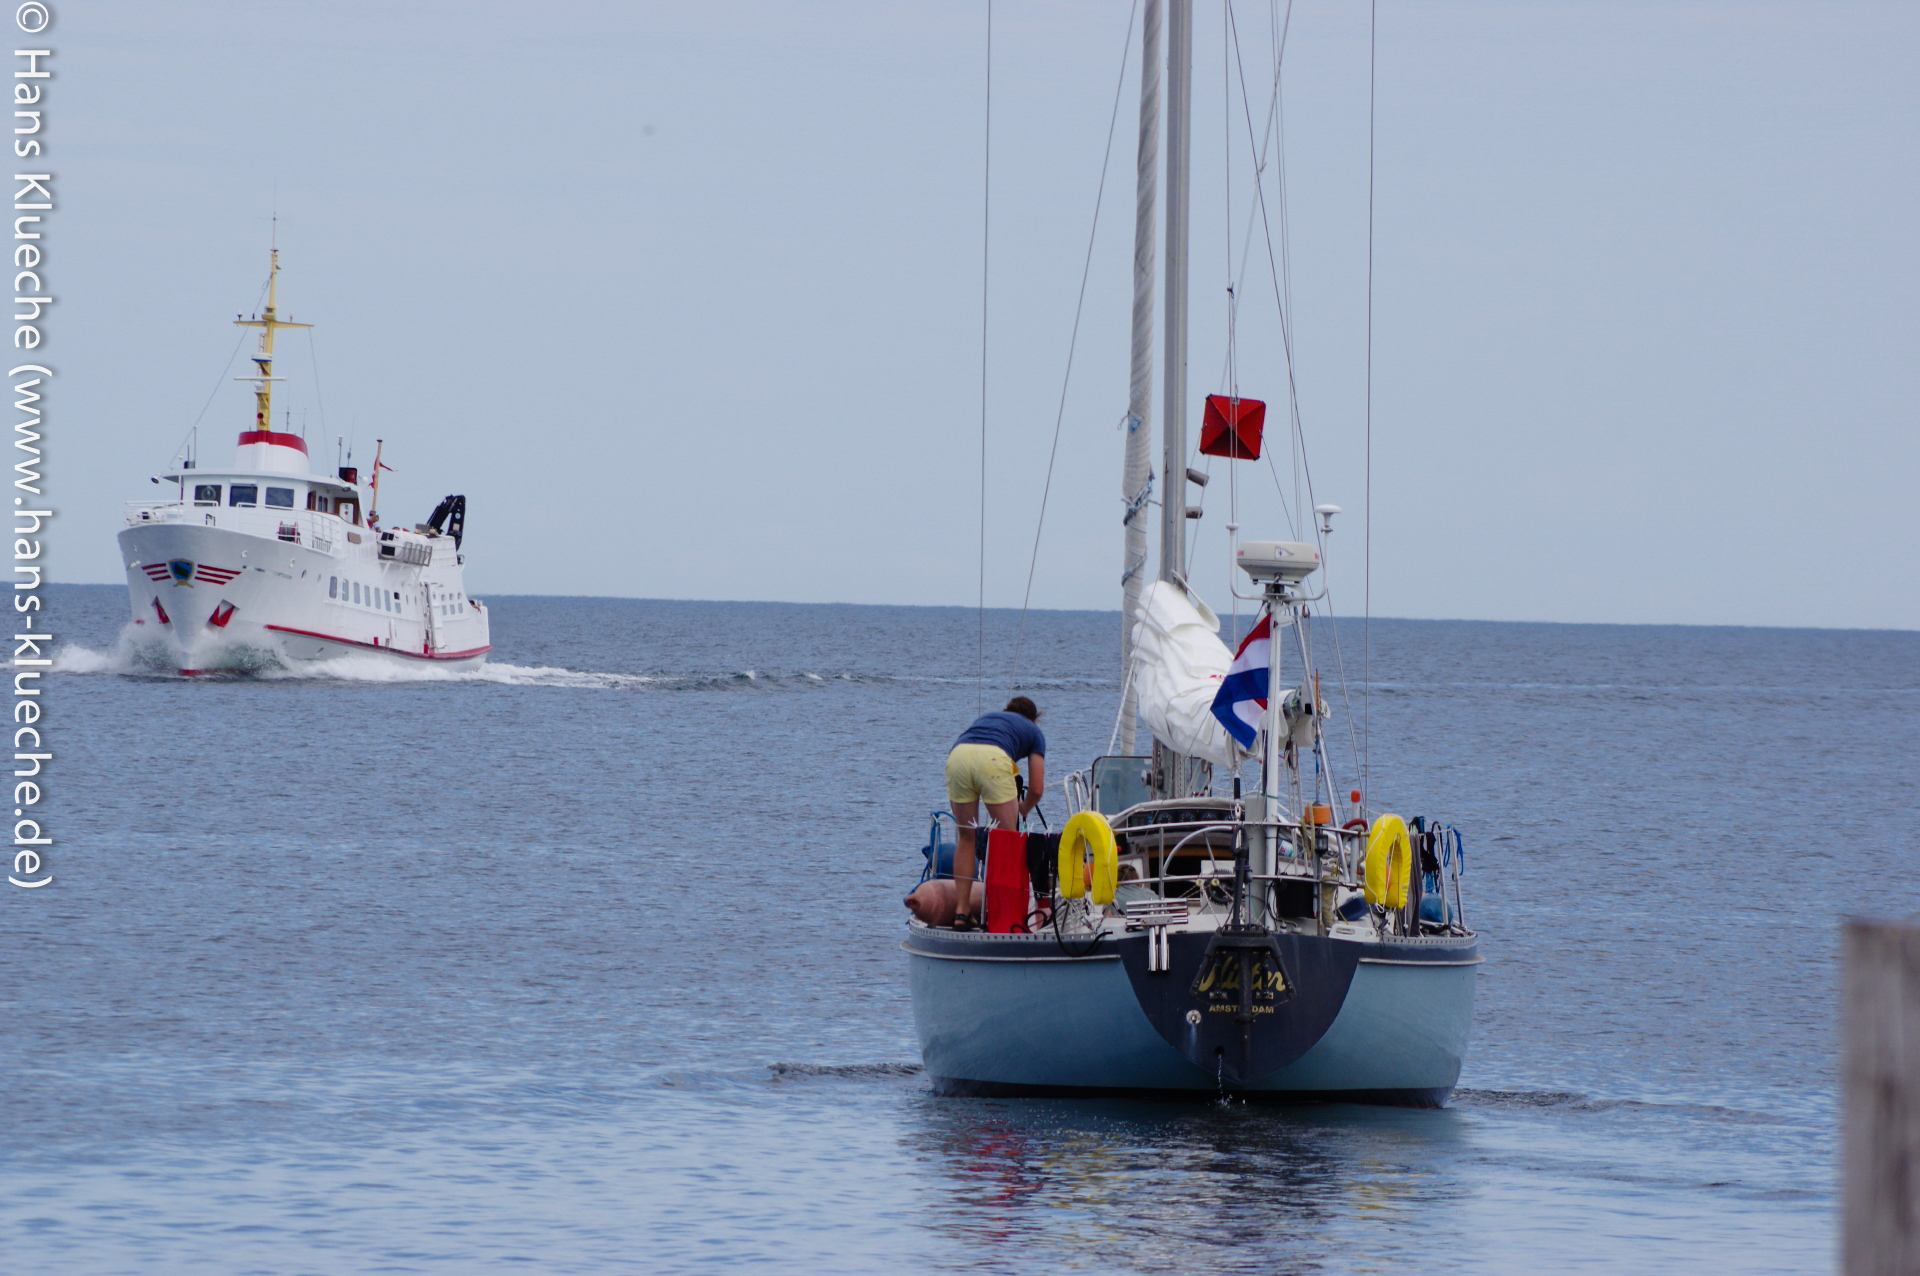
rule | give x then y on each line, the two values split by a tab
269	564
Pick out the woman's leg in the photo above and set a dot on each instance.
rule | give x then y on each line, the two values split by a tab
964	858
1000	815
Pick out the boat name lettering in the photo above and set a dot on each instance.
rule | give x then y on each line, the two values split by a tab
1221	976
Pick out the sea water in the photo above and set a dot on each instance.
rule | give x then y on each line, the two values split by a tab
589	960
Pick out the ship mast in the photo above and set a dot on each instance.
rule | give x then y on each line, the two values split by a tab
268	323
1136	479
1173	467
1176	769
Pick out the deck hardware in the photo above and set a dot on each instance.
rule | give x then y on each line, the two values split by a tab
1154	916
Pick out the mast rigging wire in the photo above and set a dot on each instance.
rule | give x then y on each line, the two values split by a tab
1273	259
1233	297
1366	624
986	227
226	367
1277	267
1066	379
313	357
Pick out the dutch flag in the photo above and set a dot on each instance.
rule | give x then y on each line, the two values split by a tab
1242	698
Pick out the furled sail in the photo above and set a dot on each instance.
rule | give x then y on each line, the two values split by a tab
1179	661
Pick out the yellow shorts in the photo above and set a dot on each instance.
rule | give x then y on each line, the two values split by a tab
977	771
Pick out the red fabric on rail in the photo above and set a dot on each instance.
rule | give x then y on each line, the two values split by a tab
1007	887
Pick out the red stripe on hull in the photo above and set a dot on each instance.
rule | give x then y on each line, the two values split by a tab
374	646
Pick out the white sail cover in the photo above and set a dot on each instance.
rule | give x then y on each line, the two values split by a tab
1179	661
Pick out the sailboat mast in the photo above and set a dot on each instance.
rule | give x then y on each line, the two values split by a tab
1136	478
1173	469
1174	769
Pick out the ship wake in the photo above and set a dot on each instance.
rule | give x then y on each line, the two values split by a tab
135	654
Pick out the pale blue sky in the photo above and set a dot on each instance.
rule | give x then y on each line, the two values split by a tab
685	298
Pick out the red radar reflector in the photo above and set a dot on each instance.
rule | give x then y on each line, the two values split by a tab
1231	427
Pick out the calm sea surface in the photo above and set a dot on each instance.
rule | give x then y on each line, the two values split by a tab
588	962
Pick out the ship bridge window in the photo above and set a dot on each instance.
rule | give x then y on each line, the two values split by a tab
282	497
243	494
206	493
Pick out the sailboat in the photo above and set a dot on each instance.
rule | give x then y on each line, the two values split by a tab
1289	942
267	564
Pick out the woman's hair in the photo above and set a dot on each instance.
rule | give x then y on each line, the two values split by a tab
1024	707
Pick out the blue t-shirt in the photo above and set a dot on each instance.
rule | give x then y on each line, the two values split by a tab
1008	731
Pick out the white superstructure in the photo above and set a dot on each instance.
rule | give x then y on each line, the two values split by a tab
267	562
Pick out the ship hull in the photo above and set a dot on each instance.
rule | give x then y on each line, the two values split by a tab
208	599
1004	1016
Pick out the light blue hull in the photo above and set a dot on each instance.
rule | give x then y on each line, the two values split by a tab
1076	1025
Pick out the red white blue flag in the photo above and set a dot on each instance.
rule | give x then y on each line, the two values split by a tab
1242	699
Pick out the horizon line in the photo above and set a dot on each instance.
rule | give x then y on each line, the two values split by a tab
1098	611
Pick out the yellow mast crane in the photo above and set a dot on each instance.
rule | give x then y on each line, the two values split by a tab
268	323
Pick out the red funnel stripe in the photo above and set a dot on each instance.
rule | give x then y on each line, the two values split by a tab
293	441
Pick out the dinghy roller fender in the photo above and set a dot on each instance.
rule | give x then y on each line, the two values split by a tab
1389	862
1089	830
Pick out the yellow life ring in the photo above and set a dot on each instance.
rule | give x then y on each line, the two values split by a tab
1389	862
1089	829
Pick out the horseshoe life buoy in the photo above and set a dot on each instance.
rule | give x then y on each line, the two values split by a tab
1089	830
1389	862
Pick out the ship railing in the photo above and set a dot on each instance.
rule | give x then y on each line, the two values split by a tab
320	531
1342	844
1336	860
308	528
155	512
1079	790
1297	851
